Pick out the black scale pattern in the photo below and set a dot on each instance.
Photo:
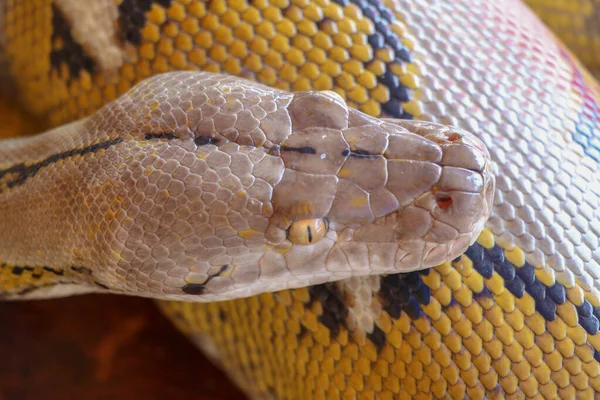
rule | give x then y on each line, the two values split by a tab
382	16
519	280
334	306
71	53
132	18
405	292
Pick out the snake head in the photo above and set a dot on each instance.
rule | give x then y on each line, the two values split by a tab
202	187
396	195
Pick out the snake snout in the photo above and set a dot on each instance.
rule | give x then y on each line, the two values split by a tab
463	195
445	219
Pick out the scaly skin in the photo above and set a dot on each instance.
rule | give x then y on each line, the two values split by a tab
192	186
515	316
577	24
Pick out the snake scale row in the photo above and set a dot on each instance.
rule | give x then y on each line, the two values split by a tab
198	186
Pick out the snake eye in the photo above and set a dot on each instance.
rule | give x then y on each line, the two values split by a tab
307	231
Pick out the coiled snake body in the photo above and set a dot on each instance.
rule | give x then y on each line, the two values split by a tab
195	186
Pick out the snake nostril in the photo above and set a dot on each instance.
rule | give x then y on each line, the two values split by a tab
444	202
453	137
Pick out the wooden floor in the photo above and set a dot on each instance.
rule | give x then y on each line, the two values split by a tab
100	347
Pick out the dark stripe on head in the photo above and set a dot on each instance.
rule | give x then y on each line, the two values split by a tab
204	140
358	153
168	136
22	171
303	150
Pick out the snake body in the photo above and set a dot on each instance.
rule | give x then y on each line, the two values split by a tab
515	316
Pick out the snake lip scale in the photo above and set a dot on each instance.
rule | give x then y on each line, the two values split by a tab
200	187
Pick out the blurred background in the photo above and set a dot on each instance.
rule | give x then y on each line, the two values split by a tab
101	347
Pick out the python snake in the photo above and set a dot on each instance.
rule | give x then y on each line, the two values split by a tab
515	316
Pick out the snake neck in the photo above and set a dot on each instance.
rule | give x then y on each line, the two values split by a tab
30	197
